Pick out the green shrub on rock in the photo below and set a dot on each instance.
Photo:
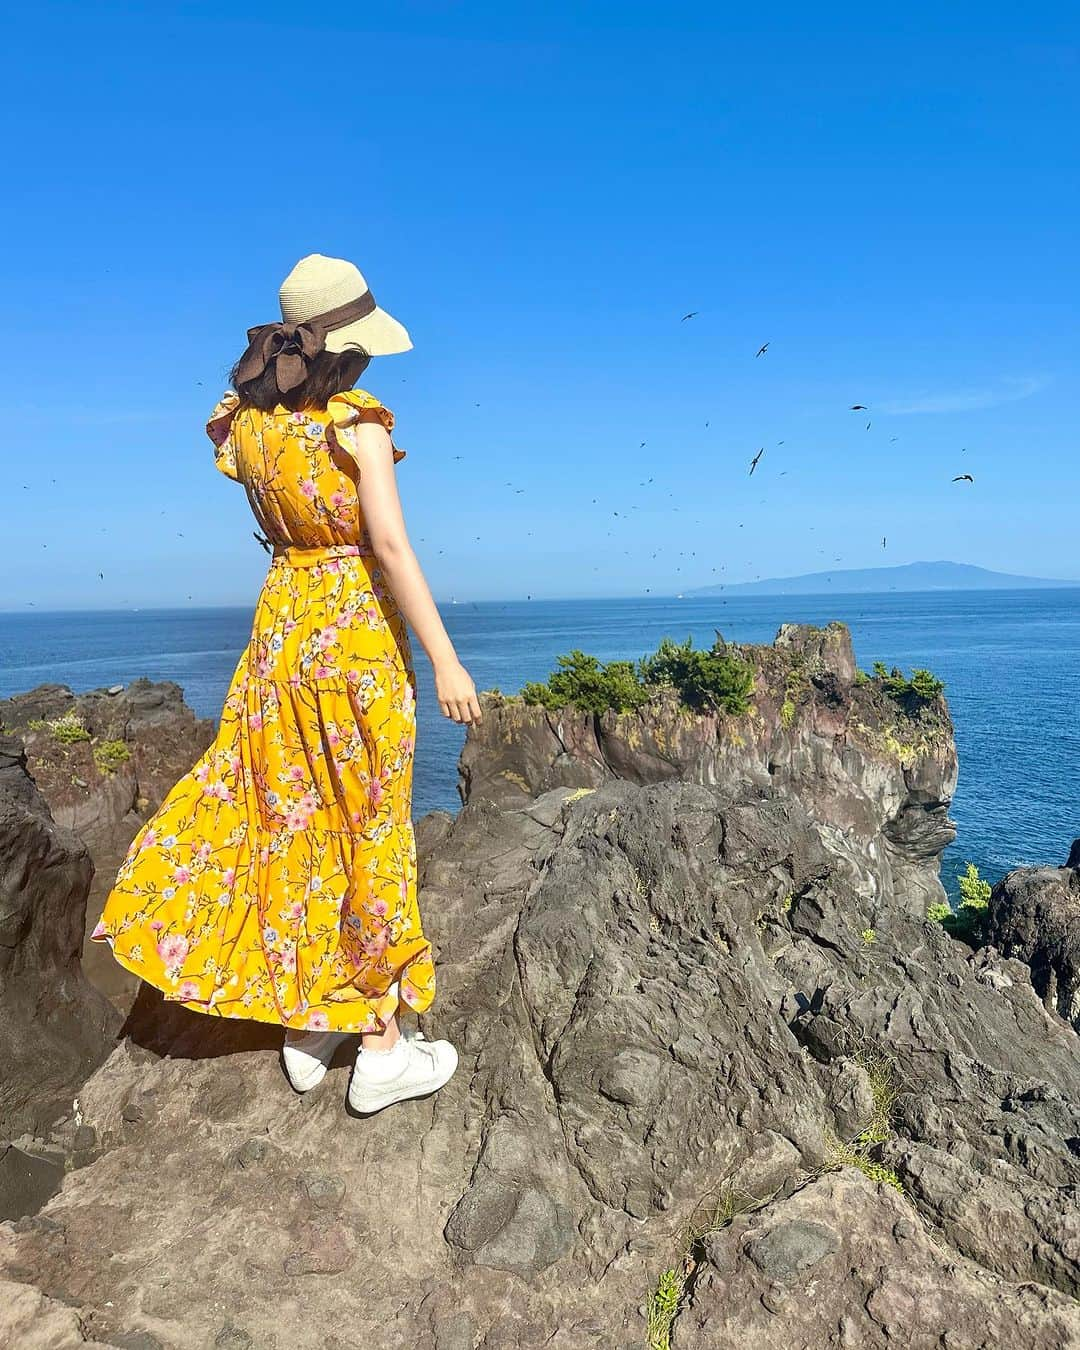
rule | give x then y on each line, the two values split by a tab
966	920
974	892
582	682
925	686
711	679
922	688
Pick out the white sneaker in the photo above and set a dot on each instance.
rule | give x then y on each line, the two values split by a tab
307	1054
415	1067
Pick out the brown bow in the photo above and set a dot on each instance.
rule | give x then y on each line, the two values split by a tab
291	346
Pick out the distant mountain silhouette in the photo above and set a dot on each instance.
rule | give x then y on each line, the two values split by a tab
918	576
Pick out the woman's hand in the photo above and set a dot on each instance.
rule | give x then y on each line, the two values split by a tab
456	692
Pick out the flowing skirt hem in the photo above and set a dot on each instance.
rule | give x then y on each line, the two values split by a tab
349	1011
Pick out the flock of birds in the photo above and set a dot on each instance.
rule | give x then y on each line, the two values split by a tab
688	554
855	407
691	553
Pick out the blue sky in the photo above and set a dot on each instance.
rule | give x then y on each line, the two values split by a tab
540	192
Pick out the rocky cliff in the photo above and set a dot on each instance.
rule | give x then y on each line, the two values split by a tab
1032	915
77	775
103	761
878	771
721	1082
54	1026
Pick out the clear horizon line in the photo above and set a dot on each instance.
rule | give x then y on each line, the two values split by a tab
1063	583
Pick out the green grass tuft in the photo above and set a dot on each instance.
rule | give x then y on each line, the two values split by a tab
663	1305
858	1152
109	755
846	1155
68	729
712	1212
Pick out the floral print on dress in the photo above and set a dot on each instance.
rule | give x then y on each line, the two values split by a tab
277	880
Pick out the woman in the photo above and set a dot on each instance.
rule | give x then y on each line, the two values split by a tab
277	881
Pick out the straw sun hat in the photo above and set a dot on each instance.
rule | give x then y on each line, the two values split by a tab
326	306
318	284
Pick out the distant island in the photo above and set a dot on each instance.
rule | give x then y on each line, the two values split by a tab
918	576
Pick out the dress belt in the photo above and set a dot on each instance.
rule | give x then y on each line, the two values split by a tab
294	555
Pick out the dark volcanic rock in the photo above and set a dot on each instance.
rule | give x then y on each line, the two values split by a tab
879	771
27	1180
658	992
54	1026
844	1263
139	740
160	734
1034	915
666	995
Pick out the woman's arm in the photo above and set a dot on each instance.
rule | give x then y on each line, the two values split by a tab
371	447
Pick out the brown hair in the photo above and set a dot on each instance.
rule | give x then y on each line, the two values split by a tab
329	373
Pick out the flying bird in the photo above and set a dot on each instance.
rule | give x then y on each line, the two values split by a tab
762	349
692	315
963	478
882	541
756	459
859	407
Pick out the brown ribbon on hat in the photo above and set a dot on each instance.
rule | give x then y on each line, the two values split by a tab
291	346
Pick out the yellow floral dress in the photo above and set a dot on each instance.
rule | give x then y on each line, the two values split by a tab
277	880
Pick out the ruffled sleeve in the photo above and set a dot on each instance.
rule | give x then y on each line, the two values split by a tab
219	429
348	410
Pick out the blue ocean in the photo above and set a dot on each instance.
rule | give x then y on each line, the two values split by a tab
1010	661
